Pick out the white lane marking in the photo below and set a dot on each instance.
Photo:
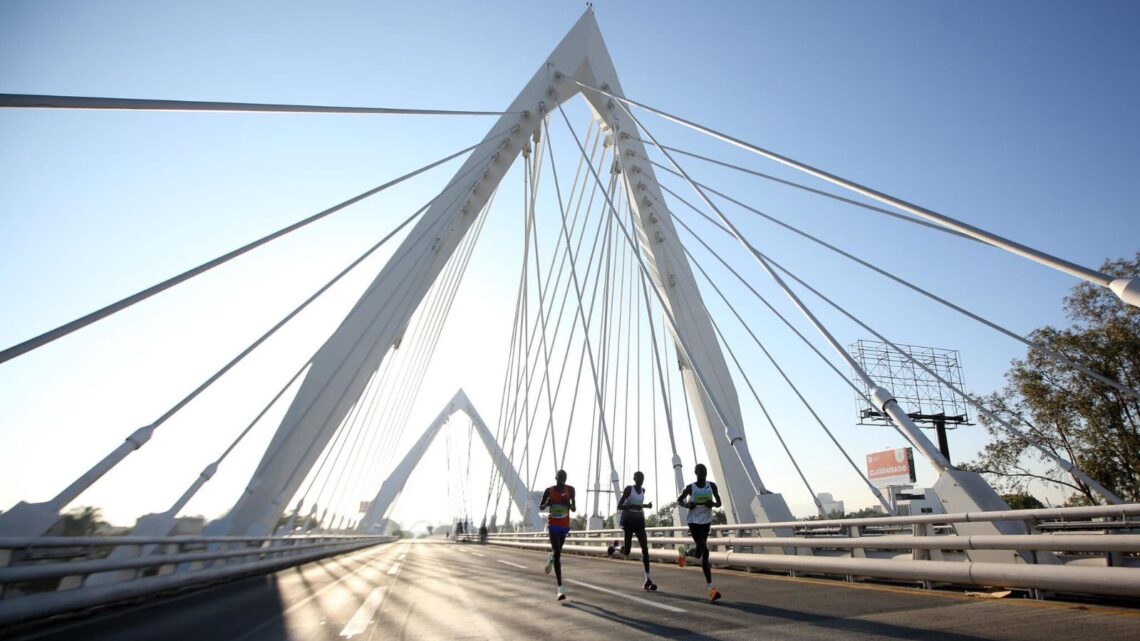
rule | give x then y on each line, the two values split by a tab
477	625
364	614
285	613
514	565
479	555
627	596
394	569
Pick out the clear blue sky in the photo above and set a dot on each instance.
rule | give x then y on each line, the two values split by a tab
1019	117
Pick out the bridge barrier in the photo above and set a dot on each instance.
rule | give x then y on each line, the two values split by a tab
1086	550
45	576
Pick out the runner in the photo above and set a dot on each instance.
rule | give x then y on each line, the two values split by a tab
631	506
700	498
559	498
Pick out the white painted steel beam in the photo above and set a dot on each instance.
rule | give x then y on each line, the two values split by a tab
523	499
341	367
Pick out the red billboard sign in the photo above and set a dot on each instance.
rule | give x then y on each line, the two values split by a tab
891	467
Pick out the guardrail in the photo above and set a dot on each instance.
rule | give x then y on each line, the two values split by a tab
1084	550
44	576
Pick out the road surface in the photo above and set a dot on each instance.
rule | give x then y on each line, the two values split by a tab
442	590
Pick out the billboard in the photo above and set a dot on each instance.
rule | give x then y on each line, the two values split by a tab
891	467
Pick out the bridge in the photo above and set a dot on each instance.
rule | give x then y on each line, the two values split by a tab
634	344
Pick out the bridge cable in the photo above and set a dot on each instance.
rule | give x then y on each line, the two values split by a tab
1024	251
580	192
79	323
440	223
505	421
1062	463
34	101
445	297
435	319
795	389
577	285
936	459
1052	354
140	437
426	231
659	368
736	438
802	187
548	432
775	430
564	298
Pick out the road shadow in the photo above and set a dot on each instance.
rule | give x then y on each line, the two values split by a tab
254	607
648	627
839	623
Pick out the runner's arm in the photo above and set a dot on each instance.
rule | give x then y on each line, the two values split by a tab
716	495
624	496
545	502
684	494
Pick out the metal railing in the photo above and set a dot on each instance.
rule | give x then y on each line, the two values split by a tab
44	576
1082	550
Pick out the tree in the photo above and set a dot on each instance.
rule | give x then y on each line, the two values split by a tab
1073	415
1022	501
663	517
865	512
430	530
82	521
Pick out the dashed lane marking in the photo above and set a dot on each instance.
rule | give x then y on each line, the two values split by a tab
359	621
653	604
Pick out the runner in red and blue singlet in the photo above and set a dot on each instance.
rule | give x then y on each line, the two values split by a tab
559	499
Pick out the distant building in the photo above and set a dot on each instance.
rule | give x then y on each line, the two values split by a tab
830	505
106	529
189	526
910	501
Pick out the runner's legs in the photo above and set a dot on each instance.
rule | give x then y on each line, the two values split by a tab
700	533
557	539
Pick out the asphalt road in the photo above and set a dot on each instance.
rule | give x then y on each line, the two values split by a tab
442	590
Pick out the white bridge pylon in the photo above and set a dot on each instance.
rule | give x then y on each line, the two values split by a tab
525	501
341	368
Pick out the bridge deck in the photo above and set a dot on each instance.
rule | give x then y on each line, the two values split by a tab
438	590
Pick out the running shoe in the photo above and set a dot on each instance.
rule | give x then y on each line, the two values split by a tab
714	595
681	556
610	551
562	594
549	563
649	586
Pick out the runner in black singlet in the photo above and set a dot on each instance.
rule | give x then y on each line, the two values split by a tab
631	506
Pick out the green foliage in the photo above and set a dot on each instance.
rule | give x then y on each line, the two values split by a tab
865	512
1069	413
303	523
1022	501
663	517
81	521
